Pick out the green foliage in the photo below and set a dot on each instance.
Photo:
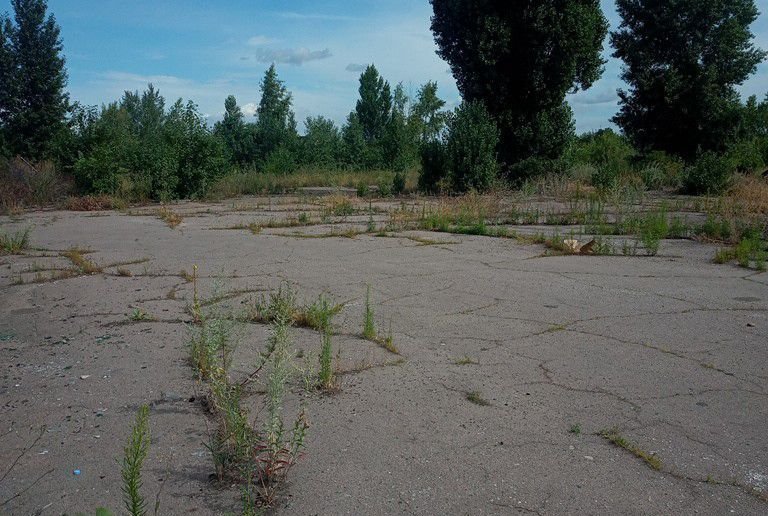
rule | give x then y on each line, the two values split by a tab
135	149
748	155
536	167
471	148
683	60
33	78
521	59
711	174
427	115
609	152
280	162
398	183
135	452
321	146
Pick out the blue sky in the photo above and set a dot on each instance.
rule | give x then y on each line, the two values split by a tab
204	50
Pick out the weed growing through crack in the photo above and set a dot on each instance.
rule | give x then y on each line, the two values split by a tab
320	316
653	228
575	429
211	345
465	360
477	398
135	452
259	457
14	243
279	448
613	435
369	326
138	315
81	262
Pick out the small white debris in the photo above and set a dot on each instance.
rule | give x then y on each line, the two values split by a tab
85	377
589	457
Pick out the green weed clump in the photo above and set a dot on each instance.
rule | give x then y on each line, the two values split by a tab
653	228
14	243
751	249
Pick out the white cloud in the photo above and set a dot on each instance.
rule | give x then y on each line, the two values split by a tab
314	16
357	68
294	56
250	109
257	41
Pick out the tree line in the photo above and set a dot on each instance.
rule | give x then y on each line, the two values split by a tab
514	64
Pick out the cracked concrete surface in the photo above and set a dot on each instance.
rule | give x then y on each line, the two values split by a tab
670	350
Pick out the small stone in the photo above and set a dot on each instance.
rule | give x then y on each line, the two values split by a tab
589	457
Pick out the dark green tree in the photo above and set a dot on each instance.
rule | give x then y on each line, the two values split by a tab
276	123
520	58
355	148
234	132
682	61
374	106
471	148
34	104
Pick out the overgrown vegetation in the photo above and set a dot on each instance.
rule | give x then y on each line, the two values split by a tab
138	148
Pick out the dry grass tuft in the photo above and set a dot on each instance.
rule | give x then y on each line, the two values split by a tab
94	203
170	217
749	195
83	264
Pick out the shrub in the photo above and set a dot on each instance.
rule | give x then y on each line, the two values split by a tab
746	156
711	174
471	147
281	161
537	167
434	166
398	183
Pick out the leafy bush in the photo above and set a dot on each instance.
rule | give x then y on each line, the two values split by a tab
537	167
608	152
434	166
398	183
471	148
747	155
710	174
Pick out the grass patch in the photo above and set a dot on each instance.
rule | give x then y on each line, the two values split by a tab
477	398
14	243
613	435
